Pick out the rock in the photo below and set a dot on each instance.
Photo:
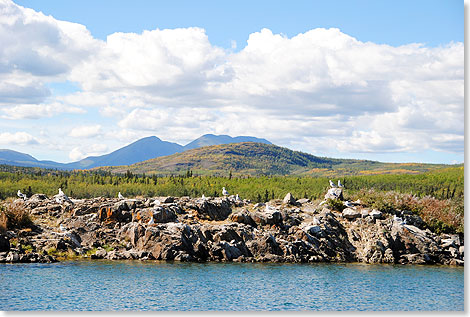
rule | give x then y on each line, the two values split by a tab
364	213
272	217
163	215
302	201
167	200
242	217
351	214
4	243
289	199
334	193
376	214
12	257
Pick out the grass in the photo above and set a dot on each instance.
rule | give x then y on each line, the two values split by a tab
14	215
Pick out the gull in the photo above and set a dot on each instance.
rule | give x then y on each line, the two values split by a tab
203	197
120	196
237	198
348	204
21	195
332	184
315	221
224	191
151	221
339	183
62	227
397	219
61	197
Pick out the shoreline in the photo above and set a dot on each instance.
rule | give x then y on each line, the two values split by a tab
227	229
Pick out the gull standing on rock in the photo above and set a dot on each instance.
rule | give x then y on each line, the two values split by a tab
224	191
339	183
237	198
21	195
151	221
332	184
61	197
120	196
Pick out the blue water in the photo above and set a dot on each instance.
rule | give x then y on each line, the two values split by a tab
134	285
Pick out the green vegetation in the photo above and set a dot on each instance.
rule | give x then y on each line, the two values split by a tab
257	159
437	196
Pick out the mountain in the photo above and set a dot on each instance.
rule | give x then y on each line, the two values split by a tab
250	158
140	150
211	139
10	157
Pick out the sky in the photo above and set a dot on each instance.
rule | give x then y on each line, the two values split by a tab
378	80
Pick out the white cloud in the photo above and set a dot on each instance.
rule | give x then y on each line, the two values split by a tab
18	138
78	153
86	131
32	111
315	90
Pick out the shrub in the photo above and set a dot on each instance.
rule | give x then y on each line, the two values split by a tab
14	216
441	216
335	204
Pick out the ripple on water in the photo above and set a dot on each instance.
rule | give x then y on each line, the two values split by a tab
129	285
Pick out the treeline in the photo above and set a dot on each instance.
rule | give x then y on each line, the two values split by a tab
442	184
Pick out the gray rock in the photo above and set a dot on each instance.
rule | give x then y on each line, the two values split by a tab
351	214
376	214
334	193
289	199
163	215
303	201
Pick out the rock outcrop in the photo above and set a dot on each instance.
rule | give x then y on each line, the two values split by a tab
224	229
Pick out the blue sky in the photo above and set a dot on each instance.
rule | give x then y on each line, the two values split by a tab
332	78
432	22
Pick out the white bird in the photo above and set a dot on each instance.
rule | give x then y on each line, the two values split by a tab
62	228
348	204
224	191
120	196
21	195
332	184
237	198
397	219
315	221
61	197
203	197
151	221
339	183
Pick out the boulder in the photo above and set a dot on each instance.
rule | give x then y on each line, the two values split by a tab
351	214
334	193
4	243
303	201
289	199
163	215
376	214
242	217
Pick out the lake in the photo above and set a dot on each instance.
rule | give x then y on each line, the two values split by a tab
136	285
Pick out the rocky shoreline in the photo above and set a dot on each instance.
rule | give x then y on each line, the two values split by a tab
224	229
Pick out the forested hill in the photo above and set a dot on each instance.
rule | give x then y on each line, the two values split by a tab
249	158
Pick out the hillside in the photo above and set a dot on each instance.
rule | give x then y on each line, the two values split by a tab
250	158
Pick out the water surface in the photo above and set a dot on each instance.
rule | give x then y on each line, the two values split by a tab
135	285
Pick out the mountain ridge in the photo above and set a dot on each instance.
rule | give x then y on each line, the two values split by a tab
143	149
